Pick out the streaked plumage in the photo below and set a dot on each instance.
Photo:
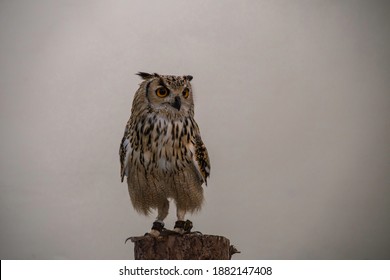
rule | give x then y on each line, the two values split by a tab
161	153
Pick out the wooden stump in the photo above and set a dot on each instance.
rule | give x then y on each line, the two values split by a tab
183	247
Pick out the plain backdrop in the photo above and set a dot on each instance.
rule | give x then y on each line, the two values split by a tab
292	99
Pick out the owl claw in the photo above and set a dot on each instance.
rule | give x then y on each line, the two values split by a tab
127	239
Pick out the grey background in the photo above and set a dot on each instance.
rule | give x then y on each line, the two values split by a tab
292	98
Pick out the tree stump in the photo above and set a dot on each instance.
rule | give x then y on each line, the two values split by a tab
191	246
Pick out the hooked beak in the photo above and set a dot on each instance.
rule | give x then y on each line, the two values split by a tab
177	103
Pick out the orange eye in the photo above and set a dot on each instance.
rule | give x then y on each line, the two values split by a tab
186	93
162	92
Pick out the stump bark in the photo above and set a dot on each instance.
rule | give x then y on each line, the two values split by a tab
183	247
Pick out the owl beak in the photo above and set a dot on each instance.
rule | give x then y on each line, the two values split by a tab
177	103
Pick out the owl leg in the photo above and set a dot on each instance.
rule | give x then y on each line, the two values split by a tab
182	226
162	213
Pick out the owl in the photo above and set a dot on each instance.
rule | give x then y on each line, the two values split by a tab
161	153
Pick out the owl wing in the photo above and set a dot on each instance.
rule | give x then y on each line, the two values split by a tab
201	159
124	153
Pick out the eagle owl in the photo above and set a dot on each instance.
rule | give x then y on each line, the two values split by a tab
161	153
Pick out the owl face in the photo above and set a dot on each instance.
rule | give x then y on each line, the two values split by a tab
168	95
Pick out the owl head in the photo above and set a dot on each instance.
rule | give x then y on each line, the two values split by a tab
165	94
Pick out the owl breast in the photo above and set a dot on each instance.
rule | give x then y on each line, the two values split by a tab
162	146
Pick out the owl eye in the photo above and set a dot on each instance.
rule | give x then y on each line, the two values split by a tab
162	92
186	93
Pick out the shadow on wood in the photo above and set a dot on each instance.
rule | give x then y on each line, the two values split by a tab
183	247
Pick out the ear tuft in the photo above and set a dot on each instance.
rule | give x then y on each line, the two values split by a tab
146	76
189	77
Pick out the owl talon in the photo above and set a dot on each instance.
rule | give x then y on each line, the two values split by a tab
127	239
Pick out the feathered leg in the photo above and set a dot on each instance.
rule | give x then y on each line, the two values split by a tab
179	225
182	226
162	213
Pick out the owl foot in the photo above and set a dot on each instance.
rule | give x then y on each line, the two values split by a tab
156	230
183	227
